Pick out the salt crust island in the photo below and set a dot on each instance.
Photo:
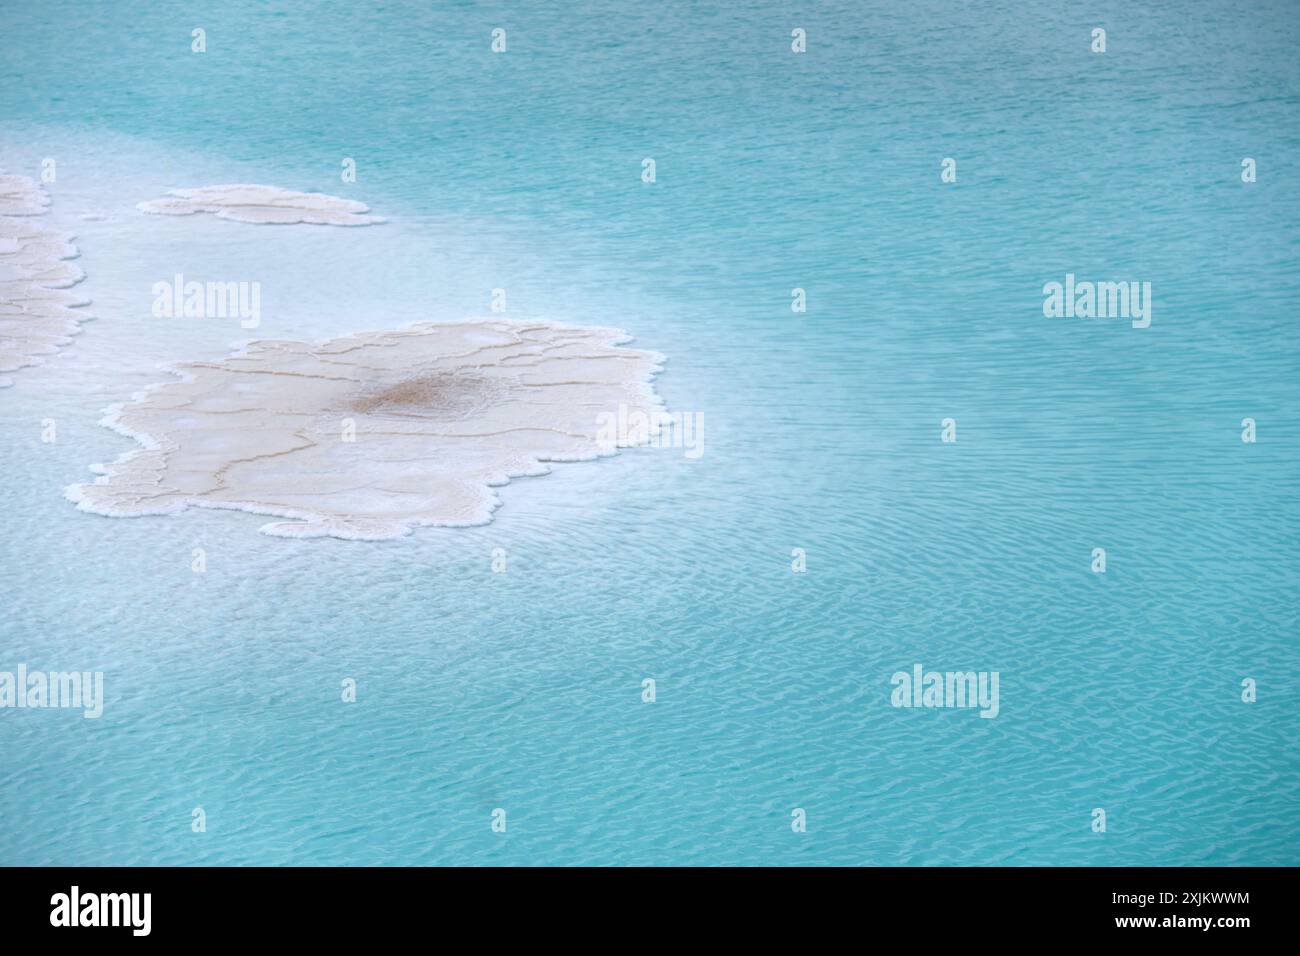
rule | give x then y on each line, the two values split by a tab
37	314
370	435
263	205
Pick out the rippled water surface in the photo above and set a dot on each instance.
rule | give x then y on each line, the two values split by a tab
522	690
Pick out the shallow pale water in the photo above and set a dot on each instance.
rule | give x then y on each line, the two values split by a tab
522	690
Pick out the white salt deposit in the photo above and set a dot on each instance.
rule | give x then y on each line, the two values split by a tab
37	315
264	205
370	435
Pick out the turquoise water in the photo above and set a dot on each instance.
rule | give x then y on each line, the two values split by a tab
522	690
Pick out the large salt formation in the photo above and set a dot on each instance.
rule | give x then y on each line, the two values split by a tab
372	434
